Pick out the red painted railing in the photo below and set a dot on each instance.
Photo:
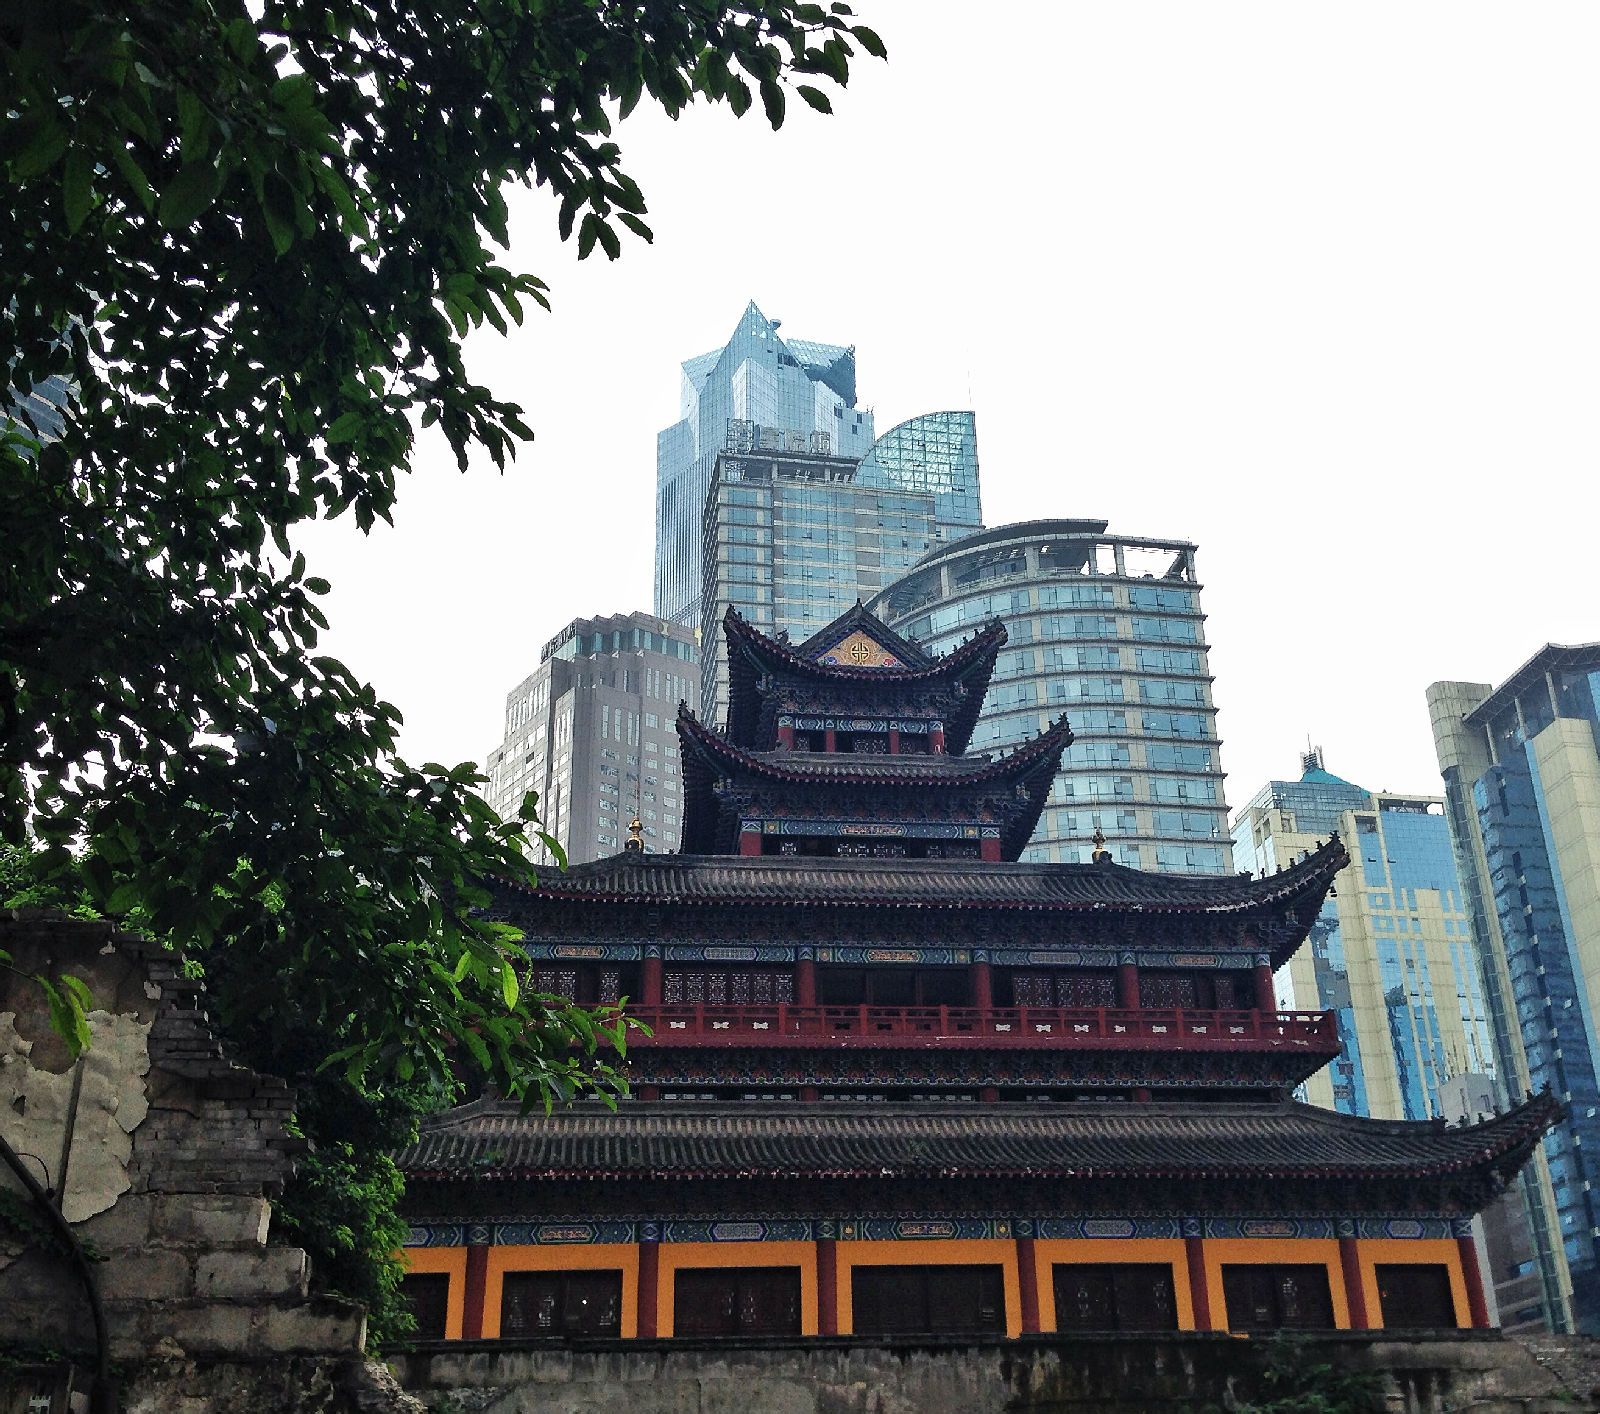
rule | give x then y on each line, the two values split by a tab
1050	1027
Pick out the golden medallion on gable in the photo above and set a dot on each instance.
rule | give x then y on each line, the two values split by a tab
858	650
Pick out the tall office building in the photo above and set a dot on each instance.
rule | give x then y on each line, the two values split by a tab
592	733
793	537
1108	630
803	396
1391	949
1522	781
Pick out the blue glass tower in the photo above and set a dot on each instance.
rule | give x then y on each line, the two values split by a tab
798	396
1521	764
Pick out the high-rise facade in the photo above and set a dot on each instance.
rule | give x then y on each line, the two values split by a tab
1108	629
592	733
792	537
1522	781
1391	950
802	395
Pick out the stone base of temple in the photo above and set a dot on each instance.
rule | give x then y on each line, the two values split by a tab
1423	1373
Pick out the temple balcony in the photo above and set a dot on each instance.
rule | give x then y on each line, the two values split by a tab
790	1025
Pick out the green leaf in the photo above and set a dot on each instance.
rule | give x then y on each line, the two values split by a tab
77	191
509	988
870	41
188	194
772	101
133	174
815	97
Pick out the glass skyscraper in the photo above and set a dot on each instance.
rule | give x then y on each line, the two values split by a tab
792	538
1108	630
802	398
1521	765
1391	951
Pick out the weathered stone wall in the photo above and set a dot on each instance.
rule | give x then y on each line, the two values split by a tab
174	1154
1179	1374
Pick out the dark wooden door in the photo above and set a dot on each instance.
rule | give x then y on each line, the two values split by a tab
427	1294
1416	1296
737	1301
1125	1296
561	1303
1268	1298
928	1300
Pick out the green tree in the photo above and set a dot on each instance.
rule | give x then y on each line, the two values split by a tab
253	236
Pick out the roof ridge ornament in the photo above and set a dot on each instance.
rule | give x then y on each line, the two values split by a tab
635	841
1099	854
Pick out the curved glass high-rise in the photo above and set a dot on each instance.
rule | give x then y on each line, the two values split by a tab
1107	629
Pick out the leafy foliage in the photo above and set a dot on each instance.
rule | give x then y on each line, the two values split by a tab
1296	1380
252	235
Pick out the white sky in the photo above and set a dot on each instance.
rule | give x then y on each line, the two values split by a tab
1316	286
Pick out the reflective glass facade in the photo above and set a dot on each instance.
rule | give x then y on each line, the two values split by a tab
1108	630
1392	950
791	542
798	395
935	453
1522	773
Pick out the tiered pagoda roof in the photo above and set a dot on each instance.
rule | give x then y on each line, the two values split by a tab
1218	1142
1017	784
767	675
1282	905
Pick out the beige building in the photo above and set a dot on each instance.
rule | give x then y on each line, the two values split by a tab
1392	953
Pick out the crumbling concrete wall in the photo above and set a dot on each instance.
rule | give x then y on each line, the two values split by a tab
174	1153
1135	1374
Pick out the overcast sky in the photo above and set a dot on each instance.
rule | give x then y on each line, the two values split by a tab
1315	286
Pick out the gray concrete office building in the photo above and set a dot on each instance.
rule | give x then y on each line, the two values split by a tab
1108	630
592	732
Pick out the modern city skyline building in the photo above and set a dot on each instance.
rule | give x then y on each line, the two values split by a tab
1522	782
1391	950
792	538
803	397
1108	629
592	732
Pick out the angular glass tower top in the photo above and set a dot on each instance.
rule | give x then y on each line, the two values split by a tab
794	394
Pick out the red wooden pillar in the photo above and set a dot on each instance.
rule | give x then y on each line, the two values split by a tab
809	1094
476	1288
982	986
1472	1275
1142	1095
989	848
894	741
1128	984
786	735
805	982
989	1094
650	981
830	739
1354	1292
1194	1251
749	842
1266	993
827	1287
1028	1283
649	1280
649	1092
936	741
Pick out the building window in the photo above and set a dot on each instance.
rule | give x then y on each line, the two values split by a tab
737	1301
427	1297
927	1300
1270	1298
1416	1296
1126	1296
561	1303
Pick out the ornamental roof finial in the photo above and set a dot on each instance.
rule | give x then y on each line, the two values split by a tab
1100	854
635	840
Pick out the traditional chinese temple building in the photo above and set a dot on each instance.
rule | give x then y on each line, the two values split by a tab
897	1082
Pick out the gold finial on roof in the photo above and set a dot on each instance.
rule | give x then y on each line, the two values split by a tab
1100	854
635	840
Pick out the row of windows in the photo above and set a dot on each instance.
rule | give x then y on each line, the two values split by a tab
964	1298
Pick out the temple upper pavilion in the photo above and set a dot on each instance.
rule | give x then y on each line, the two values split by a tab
896	1082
